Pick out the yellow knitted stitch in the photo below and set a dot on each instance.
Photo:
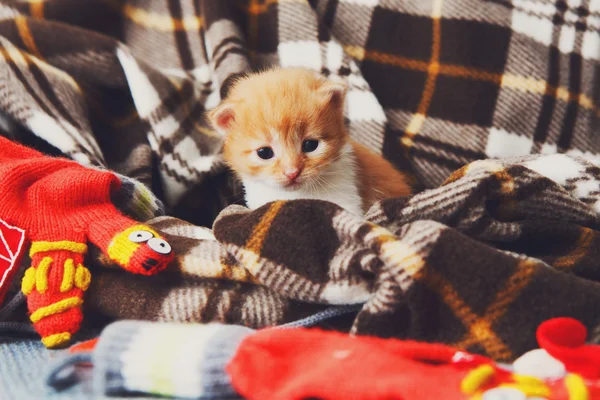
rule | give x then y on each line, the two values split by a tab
530	390
56	308
476	378
83	277
576	387
38	247
41	274
527	380
68	275
56	340
528	385
28	282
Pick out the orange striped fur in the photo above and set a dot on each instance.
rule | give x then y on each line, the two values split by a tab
377	177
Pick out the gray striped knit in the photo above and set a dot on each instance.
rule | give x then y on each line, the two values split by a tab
176	360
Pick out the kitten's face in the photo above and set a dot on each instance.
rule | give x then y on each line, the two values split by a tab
283	128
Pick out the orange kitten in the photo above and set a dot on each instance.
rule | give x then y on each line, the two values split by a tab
285	138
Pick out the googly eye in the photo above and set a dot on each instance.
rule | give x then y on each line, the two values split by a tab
159	245
140	236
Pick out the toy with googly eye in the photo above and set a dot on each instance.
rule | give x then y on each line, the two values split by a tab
141	250
60	206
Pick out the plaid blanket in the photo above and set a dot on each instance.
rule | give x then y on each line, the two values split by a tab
478	259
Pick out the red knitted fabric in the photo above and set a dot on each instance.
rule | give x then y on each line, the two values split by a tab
290	364
298	364
564	339
61	205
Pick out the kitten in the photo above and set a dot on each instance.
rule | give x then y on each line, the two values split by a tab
285	138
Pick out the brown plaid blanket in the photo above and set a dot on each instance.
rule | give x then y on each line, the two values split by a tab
477	260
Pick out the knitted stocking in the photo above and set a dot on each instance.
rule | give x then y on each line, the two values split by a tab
54	286
61	205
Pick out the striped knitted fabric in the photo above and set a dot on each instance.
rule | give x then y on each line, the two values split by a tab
175	360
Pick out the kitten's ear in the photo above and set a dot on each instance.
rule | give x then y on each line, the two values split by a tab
222	117
334	92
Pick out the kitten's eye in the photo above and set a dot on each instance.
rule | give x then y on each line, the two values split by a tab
265	153
310	145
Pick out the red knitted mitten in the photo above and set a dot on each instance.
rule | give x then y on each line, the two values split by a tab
61	205
286	364
297	363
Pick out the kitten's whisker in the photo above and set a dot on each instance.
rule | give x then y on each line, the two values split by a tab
342	153
320	182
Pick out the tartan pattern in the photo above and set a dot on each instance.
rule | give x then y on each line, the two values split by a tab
477	263
478	260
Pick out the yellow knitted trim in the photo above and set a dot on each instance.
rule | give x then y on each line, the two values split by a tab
68	276
83	277
576	387
476	378
41	274
28	282
56	308
56	340
527	380
530	389
37	247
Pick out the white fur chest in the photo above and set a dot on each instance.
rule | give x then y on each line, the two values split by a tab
339	185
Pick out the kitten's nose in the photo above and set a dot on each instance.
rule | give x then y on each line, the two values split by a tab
292	173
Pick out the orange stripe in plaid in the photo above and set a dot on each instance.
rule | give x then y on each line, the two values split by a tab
531	85
24	59
397	252
259	233
511	81
26	36
253	28
256	8
416	122
581	248
512	288
155	21
479	328
253	247
36	8
507	182
361	54
234	271
471	73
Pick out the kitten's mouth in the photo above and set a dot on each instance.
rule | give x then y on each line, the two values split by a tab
292	185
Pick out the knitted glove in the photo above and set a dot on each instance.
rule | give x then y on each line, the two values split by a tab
62	205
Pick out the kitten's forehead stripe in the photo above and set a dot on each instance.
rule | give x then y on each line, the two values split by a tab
301	127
